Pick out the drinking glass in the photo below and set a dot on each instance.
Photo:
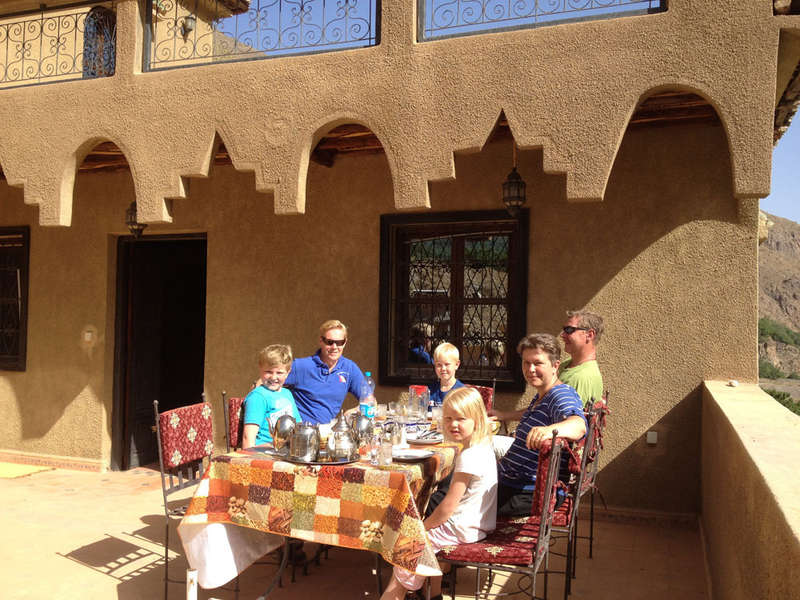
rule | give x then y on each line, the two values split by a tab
436	421
374	448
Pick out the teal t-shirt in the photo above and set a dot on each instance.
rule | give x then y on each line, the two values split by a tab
263	406
585	378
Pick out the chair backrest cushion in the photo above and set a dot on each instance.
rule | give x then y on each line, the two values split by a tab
486	393
234	416
186	434
540	491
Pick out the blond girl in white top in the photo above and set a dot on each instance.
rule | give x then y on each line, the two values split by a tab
468	511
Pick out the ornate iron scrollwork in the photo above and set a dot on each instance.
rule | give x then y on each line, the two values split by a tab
58	45
444	18
268	28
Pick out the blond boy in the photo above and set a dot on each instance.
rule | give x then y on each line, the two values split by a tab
270	400
445	364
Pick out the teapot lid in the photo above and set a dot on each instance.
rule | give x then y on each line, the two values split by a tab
341	423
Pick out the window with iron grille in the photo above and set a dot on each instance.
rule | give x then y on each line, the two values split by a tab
14	247
453	277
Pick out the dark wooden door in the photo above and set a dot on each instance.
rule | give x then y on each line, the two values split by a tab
160	339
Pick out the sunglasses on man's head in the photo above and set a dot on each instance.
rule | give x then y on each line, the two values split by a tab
328	342
569	329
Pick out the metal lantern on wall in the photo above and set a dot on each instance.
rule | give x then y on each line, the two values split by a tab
514	188
134	226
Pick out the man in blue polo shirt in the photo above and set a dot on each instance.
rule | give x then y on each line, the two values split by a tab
320	383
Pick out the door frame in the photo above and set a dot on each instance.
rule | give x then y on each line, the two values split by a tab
121	319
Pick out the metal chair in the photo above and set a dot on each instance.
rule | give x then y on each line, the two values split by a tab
589	484
185	441
519	545
581	463
486	392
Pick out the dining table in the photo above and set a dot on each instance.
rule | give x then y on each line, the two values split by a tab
249	501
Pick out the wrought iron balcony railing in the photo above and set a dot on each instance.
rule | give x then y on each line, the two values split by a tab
71	42
183	33
449	18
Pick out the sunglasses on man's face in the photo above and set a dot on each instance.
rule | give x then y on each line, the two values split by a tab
328	342
569	329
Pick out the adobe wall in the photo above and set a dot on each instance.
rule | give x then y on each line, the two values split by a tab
669	258
751	511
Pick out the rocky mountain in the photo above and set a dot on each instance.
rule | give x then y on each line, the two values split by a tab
779	290
779	273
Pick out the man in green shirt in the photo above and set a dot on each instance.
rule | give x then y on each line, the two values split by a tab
581	334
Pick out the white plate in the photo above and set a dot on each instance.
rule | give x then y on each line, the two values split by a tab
411	455
428	441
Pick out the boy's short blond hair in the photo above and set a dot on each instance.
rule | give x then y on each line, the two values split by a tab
446	350
468	402
275	355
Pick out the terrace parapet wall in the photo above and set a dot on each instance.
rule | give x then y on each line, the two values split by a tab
750	493
569	89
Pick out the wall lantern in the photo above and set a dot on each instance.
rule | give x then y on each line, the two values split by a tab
135	227
188	25
514	188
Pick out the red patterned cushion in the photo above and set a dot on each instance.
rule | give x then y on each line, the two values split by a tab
185	434
234	420
486	393
512	543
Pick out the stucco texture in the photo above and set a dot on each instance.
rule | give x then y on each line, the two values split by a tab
423	100
668	253
668	256
751	506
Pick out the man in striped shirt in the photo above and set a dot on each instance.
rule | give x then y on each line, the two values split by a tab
555	406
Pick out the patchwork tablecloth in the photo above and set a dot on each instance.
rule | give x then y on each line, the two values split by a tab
247	500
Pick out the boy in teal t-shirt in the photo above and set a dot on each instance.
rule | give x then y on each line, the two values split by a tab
270	400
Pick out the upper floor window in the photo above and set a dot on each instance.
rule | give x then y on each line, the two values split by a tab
14	248
99	43
447	18
58	44
197	32
458	278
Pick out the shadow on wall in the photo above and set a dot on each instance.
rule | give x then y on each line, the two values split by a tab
663	178
65	382
627	480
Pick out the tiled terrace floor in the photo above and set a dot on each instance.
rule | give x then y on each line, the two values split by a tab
77	535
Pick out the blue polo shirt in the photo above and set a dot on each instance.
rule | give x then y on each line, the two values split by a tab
319	391
517	468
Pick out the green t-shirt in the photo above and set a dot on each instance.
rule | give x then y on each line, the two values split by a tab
585	378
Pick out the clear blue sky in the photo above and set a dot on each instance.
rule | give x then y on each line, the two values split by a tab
784	199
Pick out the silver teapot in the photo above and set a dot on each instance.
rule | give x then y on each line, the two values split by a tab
362	428
342	444
282	431
304	442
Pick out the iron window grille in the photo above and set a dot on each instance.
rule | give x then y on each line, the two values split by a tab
14	251
69	42
458	277
448	18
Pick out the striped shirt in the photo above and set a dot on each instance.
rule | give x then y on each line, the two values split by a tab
518	466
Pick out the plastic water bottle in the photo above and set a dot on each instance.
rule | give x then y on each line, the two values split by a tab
367	404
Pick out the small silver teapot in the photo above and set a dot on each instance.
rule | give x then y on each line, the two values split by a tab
362	428
282	431
304	442
342	444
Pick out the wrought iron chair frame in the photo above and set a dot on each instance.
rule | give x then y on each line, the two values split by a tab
541	548
574	496
174	480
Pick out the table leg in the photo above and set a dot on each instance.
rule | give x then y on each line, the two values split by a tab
276	580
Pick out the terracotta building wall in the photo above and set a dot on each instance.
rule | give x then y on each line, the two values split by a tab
669	259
